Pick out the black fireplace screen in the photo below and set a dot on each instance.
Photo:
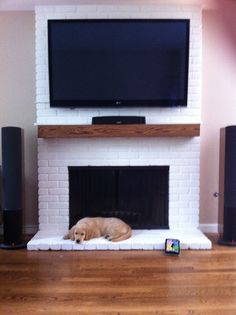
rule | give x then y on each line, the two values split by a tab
136	194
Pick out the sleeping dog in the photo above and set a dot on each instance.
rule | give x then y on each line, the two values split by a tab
113	229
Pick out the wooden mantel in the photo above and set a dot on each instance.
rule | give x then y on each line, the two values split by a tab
92	131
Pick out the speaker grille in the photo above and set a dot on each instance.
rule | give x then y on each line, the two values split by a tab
11	168
230	167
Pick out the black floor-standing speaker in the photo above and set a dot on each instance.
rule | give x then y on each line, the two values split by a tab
227	186
12	188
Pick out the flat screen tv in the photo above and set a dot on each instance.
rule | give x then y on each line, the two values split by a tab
118	62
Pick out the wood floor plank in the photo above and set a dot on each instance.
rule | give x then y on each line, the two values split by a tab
118	283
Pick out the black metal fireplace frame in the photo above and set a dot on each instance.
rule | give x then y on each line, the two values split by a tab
113	178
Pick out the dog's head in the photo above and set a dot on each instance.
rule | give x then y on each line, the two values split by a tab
79	234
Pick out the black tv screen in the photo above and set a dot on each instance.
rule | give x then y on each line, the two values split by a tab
118	62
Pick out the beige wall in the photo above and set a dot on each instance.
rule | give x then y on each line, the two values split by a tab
17	98
218	98
17	94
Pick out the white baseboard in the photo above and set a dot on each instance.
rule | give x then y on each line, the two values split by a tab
27	229
209	228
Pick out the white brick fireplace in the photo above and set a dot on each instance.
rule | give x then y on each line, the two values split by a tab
181	154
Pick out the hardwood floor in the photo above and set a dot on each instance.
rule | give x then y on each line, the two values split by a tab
118	282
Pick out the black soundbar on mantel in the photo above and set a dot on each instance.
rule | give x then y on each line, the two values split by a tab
118	120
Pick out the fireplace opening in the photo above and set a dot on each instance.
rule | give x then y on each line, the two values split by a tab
136	194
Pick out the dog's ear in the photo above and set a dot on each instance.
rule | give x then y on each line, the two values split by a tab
70	235
83	231
87	232
66	236
83	235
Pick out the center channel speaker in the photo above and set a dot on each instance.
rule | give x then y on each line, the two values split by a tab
12	188
118	120
227	186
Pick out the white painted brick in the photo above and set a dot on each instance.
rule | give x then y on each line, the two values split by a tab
40	91
41	83
194	204
48	227
64	198
43	163
63	227
57	177
195	190
46	198
58	163
43	191
90	246
78	246
179	204
43	246
47	155
43	219
113	246
181	154
43	205
191	197
64	170
48	170
58	219
42	10
102	246
41	106
58	205
65	9
148	246
180	190
43	99
191	238
43	177
127	155
173	196
66	212
47	184
64	184
67	246
48	213
58	191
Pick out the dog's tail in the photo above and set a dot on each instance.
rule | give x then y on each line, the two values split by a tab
123	237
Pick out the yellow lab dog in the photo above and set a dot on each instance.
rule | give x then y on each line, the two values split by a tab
113	229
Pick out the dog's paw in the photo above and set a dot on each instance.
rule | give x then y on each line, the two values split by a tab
108	237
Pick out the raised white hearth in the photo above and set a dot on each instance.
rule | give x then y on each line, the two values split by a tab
140	240
180	150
